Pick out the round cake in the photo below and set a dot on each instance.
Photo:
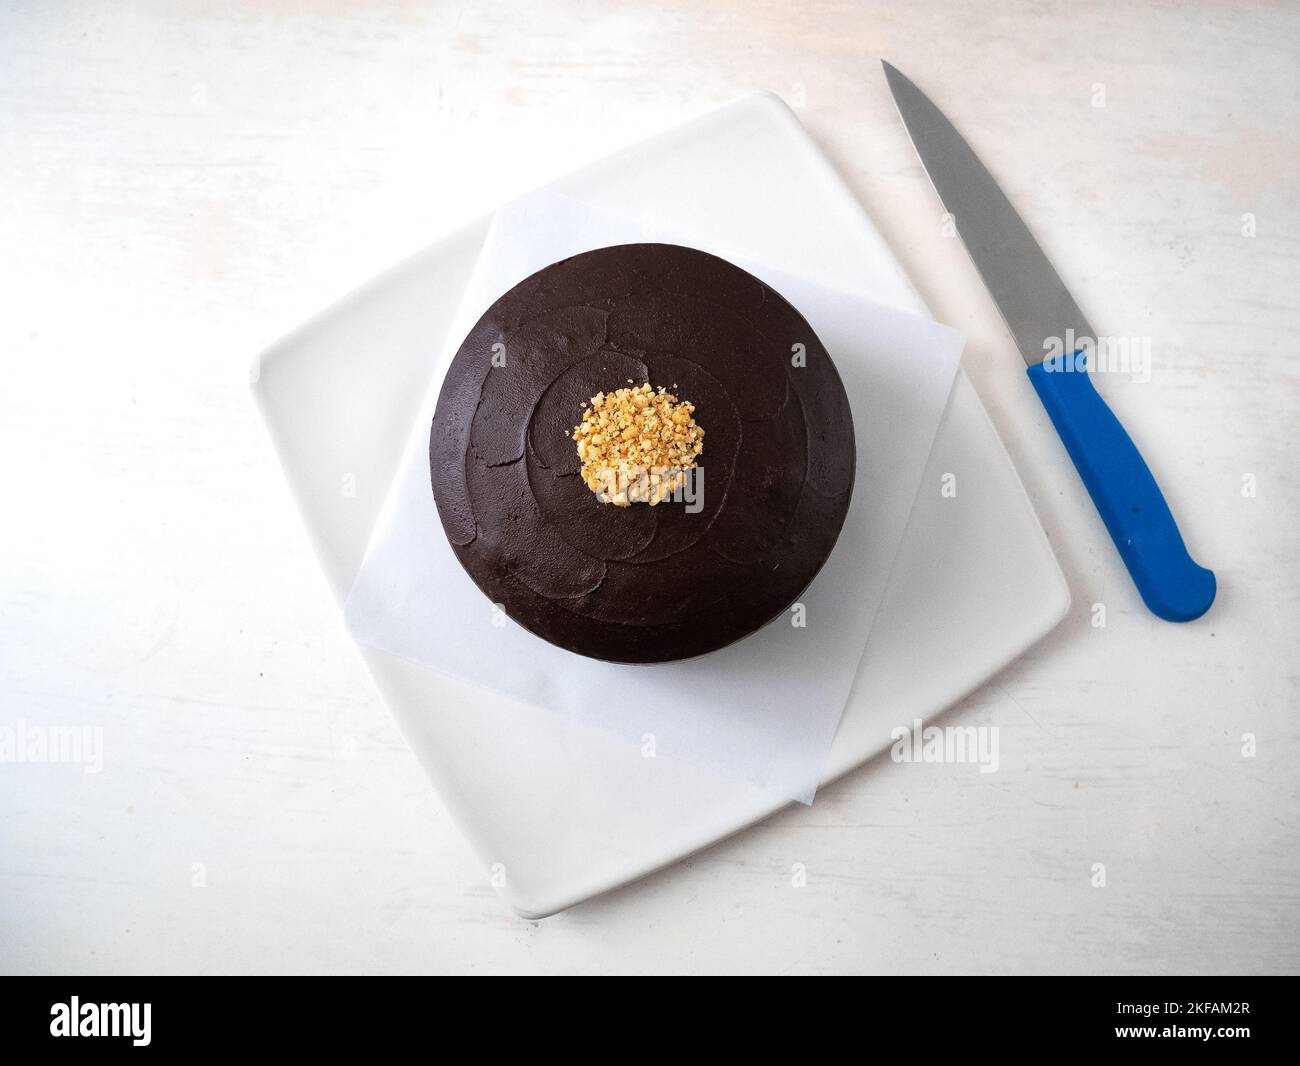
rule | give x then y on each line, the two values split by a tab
642	453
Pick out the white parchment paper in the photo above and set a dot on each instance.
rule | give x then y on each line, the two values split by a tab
765	709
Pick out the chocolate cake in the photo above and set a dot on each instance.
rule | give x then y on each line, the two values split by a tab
642	453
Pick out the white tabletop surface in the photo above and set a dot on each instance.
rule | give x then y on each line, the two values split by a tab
183	183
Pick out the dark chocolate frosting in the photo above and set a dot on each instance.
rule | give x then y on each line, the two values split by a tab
642	584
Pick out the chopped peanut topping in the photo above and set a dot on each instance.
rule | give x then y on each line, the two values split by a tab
636	443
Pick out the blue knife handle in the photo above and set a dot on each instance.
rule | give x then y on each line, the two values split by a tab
1172	585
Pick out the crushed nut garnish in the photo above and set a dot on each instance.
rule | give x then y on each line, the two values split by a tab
636	444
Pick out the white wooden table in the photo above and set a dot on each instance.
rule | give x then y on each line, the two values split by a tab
179	188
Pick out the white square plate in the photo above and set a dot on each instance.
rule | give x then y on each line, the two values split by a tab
559	810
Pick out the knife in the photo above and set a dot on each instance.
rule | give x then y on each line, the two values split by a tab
1043	317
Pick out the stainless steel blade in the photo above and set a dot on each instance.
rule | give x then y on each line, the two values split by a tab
1030	295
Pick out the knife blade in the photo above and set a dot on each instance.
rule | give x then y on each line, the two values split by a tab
1042	317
